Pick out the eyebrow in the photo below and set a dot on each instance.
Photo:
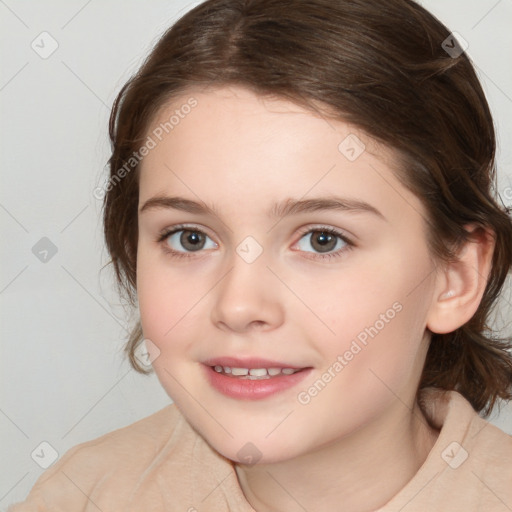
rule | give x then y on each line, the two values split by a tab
277	210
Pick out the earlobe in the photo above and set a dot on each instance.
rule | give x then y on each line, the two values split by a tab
460	284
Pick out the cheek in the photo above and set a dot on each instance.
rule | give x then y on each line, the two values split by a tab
169	317
376	315
352	299
166	300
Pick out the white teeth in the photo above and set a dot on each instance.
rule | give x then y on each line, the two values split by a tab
239	371
258	372
254	373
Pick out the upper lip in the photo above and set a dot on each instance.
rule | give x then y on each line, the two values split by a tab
249	363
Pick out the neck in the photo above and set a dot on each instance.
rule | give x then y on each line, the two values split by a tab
359	473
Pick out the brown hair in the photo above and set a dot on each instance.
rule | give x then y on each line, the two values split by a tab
383	69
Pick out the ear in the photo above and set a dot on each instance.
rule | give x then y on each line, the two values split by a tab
460	285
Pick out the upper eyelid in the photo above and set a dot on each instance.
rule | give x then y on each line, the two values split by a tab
184	227
319	227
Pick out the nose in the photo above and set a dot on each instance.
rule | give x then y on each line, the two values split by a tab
247	298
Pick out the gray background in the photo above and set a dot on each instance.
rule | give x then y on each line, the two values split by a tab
63	376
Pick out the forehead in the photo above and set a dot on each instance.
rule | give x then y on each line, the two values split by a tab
233	146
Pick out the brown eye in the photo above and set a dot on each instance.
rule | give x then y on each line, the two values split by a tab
192	240
323	241
188	240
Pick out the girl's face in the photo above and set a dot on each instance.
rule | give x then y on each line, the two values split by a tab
271	238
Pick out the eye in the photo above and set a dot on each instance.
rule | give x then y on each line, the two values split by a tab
183	240
324	241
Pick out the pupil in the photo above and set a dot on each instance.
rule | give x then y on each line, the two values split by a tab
323	238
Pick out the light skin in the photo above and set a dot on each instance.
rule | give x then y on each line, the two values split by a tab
359	440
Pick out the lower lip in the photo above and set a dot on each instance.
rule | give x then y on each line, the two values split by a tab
247	389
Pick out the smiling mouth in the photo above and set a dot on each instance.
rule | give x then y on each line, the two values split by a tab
254	373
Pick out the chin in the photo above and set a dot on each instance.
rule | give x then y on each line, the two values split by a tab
255	450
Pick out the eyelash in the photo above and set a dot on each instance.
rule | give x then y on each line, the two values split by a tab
317	256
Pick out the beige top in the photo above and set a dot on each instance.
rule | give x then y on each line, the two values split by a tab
161	464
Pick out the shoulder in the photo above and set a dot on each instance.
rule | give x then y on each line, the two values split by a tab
115	460
452	412
473	455
135	442
492	449
486	450
470	465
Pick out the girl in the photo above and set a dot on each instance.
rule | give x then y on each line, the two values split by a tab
301	203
